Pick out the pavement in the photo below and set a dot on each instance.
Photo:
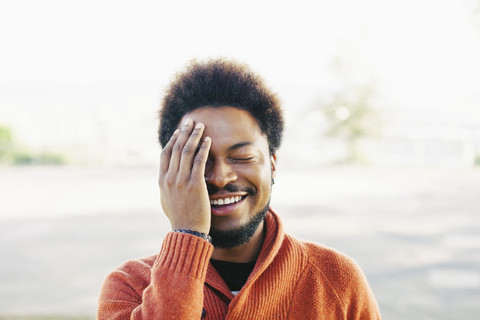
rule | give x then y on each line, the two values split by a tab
414	231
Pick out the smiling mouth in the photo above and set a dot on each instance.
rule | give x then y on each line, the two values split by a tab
226	201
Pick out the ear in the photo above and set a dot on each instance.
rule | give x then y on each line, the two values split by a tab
273	164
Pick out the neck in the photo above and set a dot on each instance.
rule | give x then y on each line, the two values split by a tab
246	252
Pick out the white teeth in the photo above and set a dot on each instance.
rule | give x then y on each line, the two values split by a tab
220	202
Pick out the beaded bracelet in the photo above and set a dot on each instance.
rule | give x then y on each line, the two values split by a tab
202	235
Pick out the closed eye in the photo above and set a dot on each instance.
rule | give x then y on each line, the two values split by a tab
248	159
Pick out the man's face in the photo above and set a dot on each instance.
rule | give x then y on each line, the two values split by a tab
239	168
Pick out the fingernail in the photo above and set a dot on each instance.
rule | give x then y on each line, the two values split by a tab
187	122
199	125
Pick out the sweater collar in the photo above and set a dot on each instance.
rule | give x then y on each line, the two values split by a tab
274	236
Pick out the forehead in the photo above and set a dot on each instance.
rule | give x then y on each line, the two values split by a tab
227	125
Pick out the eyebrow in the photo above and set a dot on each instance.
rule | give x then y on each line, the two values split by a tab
239	145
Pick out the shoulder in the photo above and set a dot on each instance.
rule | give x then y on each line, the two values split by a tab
320	255
331	283
331	261
323	258
331	269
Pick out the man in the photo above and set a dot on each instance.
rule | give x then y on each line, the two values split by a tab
227	256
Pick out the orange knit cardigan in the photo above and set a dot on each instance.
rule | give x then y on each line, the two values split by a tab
292	279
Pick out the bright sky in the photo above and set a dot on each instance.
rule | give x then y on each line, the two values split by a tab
419	53
97	41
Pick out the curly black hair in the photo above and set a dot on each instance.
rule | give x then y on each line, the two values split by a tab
218	83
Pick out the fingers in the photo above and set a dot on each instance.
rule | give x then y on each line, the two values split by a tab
167	153
198	169
175	157
188	152
183	150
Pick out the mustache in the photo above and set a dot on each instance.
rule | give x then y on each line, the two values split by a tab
212	189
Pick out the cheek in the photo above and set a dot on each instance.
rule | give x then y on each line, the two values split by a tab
259	176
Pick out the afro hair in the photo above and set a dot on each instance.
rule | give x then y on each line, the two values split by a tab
218	83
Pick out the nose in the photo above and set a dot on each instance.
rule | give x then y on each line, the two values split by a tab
219	173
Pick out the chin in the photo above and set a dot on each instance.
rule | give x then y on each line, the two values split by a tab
236	236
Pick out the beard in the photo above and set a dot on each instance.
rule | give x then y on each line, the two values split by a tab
235	237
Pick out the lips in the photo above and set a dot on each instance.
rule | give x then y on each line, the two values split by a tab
225	201
226	205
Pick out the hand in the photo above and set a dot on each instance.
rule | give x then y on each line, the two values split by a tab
183	191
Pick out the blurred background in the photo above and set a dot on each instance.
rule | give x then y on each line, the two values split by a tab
380	159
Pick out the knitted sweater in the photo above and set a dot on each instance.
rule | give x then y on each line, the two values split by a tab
292	279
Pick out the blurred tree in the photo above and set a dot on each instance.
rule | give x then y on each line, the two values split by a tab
351	117
5	143
5	134
348	110
12	153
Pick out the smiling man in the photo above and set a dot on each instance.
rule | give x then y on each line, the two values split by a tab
227	256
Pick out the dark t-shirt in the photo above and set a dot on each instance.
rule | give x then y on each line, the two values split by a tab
235	274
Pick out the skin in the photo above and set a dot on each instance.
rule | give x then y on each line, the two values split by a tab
213	148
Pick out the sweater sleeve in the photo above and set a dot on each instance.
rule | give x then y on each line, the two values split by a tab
360	304
172	288
350	287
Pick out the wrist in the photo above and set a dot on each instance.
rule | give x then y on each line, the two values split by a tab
189	225
202	235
